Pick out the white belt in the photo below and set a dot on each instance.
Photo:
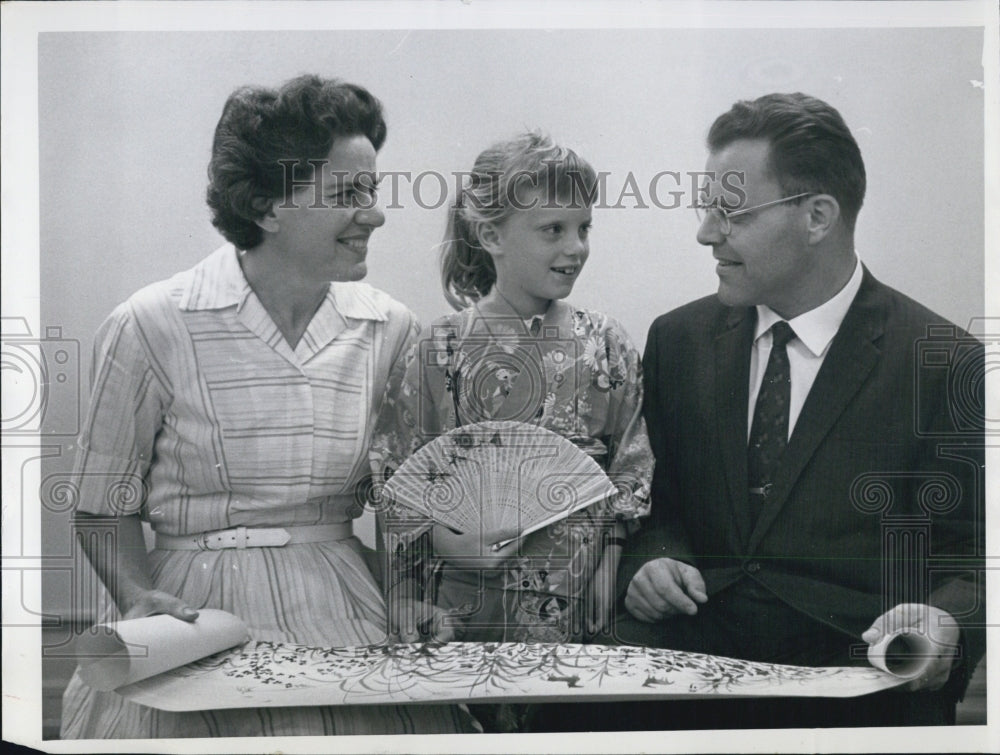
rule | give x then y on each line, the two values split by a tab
254	537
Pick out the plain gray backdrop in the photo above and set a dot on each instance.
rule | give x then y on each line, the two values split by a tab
126	122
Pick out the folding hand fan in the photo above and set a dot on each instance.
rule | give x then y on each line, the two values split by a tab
498	476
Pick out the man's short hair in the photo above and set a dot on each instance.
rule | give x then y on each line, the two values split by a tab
812	150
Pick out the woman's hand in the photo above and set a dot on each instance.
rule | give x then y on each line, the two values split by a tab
469	551
127	575
153	602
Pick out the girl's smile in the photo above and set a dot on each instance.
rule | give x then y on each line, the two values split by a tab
538	252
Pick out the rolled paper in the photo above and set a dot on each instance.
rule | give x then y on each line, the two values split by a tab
122	652
905	654
269	674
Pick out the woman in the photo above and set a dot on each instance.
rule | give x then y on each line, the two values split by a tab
236	402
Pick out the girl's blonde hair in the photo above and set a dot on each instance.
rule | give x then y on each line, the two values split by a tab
502	180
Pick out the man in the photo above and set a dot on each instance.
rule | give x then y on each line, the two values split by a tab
798	440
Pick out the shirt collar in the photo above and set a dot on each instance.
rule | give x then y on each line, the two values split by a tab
358	301
817	327
218	282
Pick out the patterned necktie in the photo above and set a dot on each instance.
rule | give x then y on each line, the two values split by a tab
769	431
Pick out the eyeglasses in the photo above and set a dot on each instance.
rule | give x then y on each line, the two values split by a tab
722	215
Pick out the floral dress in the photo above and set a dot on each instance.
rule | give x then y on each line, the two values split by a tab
574	372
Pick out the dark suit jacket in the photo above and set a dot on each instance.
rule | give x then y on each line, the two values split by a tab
878	499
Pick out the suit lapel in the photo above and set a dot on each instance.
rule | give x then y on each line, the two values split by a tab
732	370
845	369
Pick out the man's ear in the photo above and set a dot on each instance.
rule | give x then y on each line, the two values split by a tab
824	212
268	219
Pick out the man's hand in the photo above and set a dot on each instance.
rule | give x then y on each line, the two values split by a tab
936	625
665	587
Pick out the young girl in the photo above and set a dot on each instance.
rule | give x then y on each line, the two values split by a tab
516	243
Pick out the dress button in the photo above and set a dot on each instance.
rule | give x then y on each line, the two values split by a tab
753	567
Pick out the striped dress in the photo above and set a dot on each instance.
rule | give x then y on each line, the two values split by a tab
203	417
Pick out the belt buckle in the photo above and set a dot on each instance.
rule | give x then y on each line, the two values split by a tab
239	538
216	540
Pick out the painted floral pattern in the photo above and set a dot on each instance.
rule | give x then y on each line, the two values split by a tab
266	673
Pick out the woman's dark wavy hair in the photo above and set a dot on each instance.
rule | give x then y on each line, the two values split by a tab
262	127
812	150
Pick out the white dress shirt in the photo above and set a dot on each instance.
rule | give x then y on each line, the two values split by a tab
814	332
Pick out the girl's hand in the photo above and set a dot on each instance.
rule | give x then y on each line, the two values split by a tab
600	596
153	602
416	620
467	552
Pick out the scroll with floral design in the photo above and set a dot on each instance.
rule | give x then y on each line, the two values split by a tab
271	674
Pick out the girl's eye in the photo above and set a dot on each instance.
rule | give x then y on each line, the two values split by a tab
554	229
585	230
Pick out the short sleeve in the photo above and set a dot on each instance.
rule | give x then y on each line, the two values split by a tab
127	405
